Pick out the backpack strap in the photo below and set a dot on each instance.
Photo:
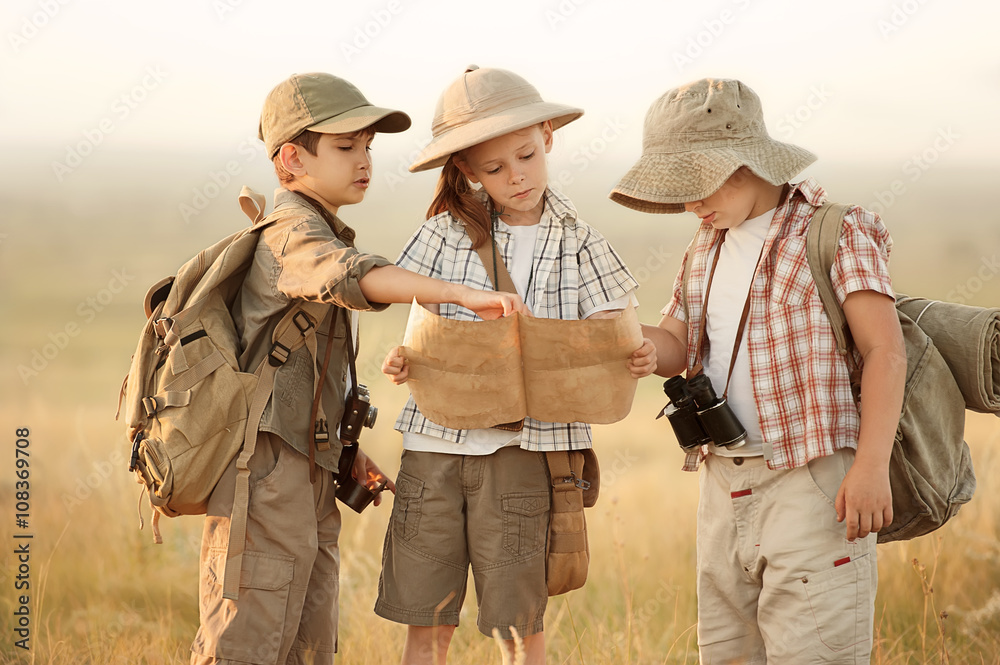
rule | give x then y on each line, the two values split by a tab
252	204
822	241
297	328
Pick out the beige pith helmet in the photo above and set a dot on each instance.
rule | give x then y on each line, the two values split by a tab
483	104
694	138
321	103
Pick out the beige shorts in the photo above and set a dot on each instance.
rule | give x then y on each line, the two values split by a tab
778	581
287	609
450	511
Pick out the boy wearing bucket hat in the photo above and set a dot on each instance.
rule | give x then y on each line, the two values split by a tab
317	130
787	522
481	497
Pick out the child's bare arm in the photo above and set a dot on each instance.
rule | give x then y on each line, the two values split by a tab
670	339
864	501
388	284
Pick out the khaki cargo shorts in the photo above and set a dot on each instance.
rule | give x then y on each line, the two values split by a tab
450	511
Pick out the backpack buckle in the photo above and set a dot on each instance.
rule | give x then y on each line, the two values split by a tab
278	355
578	482
321	434
133	462
305	325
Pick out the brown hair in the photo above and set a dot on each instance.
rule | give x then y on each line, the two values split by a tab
308	141
454	194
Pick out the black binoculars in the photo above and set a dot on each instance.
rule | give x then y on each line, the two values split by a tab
698	416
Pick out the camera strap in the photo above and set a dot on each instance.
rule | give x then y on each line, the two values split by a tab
698	366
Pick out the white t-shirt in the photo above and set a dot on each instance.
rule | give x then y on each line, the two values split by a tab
733	277
488	441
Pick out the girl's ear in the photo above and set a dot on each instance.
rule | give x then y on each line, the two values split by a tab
547	135
464	167
289	155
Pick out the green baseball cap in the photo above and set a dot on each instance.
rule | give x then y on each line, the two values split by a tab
321	103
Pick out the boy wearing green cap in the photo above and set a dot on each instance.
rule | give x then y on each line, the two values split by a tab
317	130
788	519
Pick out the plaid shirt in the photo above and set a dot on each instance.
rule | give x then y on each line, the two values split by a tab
801	384
575	271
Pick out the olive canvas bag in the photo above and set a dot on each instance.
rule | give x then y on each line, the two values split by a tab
189	408
930	469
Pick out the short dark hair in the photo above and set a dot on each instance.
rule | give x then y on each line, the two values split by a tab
306	139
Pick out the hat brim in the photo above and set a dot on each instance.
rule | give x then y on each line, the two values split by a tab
473	133
389	121
664	182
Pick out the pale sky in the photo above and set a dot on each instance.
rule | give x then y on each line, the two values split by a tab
858	80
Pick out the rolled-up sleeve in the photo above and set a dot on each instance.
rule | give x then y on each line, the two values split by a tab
862	260
675	308
603	275
315	265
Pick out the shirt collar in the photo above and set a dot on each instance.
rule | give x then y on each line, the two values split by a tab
557	208
810	190
341	230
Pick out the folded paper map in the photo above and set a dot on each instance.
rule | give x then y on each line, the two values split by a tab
477	374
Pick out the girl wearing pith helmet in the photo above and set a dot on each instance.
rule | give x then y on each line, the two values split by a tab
481	497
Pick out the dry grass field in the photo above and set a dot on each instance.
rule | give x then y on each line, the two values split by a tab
104	594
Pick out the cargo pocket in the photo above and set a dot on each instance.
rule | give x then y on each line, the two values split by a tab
525	520
250	629
841	604
406	506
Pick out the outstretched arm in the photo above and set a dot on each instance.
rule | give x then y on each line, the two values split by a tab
388	284
864	500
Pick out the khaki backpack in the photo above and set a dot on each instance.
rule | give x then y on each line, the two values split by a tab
930	470
189	407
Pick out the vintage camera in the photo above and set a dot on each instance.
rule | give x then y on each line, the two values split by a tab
358	413
698	416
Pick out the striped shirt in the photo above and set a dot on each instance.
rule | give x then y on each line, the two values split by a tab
800	382
575	272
